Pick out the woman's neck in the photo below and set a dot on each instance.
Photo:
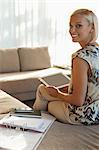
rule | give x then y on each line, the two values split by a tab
88	43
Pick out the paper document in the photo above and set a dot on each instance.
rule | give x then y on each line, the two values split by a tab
24	123
11	139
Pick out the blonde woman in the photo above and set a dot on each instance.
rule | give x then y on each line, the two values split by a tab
79	103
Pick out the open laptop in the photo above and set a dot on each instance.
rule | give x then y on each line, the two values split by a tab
58	80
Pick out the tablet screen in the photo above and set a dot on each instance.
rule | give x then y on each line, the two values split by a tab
57	80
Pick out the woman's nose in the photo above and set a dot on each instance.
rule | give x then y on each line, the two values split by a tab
72	30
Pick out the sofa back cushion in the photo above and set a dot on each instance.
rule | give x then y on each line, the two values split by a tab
9	60
34	58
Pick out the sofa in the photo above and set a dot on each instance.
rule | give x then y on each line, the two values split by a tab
21	68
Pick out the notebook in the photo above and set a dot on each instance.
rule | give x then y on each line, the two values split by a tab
58	80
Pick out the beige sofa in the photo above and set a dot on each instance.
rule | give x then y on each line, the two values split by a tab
20	69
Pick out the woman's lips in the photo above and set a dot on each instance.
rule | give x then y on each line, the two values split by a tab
73	36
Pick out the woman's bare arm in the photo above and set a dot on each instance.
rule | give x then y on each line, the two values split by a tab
79	80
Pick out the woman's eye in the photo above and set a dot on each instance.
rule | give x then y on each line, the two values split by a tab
70	26
78	26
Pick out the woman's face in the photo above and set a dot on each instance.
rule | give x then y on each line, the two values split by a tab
80	30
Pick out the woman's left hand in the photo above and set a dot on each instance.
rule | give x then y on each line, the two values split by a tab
52	91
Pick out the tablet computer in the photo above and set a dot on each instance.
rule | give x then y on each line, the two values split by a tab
58	80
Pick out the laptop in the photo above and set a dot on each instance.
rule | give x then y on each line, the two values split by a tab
58	80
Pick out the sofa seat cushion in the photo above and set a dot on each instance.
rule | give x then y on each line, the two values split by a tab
34	58
8	102
9	60
71	137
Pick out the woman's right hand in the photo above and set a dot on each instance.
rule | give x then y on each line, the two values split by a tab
52	91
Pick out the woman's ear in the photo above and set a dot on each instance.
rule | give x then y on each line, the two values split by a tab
92	28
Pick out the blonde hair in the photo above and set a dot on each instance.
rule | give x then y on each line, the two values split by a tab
91	18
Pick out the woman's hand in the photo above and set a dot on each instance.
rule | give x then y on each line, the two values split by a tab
64	89
52	91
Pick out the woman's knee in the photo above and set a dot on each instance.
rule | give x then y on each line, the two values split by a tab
40	102
41	88
54	106
57	109
50	107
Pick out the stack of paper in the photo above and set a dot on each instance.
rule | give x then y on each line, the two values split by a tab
12	139
24	123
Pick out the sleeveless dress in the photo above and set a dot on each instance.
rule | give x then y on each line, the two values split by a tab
89	112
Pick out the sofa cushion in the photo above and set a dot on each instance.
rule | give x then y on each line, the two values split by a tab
71	137
9	60
34	58
8	102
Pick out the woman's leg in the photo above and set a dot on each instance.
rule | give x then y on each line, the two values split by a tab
42	98
56	107
59	109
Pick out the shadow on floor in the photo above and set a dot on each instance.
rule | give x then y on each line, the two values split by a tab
29	103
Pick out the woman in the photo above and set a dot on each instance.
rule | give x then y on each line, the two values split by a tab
80	102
